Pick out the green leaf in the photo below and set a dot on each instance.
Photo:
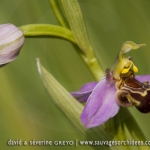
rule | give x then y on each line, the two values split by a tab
71	107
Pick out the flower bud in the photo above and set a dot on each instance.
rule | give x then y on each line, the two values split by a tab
11	42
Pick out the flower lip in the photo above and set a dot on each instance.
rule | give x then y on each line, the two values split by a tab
137	93
122	99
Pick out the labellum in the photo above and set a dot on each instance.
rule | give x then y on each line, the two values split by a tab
131	92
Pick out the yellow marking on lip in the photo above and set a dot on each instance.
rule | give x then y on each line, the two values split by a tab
132	91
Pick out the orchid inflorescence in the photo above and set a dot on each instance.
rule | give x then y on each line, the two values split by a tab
118	87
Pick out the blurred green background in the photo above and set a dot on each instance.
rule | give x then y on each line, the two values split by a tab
26	111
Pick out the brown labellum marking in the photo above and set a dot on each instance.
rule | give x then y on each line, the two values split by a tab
132	82
134	86
138	93
144	106
122	98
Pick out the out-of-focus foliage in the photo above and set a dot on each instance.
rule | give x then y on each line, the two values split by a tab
26	111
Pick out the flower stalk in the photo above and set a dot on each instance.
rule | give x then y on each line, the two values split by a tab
47	30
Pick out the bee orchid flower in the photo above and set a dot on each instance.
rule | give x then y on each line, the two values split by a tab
118	87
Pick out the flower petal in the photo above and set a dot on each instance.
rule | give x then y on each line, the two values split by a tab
143	78
84	92
101	105
89	86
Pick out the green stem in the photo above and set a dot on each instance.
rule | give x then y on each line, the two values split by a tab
75	19
47	30
94	67
58	13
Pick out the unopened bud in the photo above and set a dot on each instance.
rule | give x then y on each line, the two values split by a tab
11	42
